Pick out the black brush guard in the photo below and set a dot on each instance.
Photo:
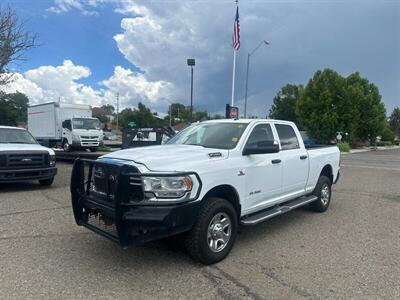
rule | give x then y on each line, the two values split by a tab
107	207
120	211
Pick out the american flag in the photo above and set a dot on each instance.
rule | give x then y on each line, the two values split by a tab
236	32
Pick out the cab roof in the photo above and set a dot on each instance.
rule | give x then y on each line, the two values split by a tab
247	121
11	127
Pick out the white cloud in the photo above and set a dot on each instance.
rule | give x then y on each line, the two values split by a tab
49	83
158	36
86	7
135	87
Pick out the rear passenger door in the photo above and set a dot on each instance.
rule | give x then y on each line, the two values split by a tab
294	161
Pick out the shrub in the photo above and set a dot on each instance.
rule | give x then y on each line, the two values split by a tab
344	147
387	134
384	143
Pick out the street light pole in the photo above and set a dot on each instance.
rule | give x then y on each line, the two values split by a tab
191	95
191	63
247	83
247	73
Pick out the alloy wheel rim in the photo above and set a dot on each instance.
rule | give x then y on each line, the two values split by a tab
219	232
325	193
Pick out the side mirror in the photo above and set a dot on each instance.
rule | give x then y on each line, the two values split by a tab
261	148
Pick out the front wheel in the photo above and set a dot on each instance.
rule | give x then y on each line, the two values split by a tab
66	146
213	235
323	191
93	149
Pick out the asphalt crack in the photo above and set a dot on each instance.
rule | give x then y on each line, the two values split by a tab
32	211
41	236
224	276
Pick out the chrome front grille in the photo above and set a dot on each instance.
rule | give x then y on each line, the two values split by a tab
24	161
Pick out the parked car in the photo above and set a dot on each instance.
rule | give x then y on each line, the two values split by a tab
109	136
22	158
203	183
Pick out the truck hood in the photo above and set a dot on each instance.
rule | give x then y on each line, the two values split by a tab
169	158
24	147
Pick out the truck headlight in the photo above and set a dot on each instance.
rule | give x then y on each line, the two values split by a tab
52	160
170	187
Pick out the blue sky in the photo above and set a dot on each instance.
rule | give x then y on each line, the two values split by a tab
92	49
85	40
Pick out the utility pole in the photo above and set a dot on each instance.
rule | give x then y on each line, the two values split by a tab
117	111
170	115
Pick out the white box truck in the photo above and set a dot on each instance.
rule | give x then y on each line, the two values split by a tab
70	125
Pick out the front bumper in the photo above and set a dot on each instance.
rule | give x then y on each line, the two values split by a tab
337	177
116	217
17	175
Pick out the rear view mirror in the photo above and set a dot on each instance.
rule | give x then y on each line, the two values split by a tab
261	148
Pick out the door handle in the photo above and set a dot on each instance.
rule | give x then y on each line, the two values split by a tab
303	157
276	161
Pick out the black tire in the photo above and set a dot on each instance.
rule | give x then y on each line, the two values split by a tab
197	238
66	146
324	185
46	182
93	149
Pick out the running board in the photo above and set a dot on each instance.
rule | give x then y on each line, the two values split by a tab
277	210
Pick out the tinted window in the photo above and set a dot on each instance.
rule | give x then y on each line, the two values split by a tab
67	124
261	134
287	136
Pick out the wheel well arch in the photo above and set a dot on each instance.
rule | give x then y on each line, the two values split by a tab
227	192
327	171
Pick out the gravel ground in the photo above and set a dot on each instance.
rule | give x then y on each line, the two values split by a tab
349	252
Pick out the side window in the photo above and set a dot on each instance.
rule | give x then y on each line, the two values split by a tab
261	135
67	124
287	137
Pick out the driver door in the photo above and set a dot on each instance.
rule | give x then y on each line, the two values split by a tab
263	171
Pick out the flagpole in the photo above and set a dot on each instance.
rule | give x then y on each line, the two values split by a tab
233	77
234	68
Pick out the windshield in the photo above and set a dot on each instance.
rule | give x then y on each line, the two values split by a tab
85	123
16	136
211	135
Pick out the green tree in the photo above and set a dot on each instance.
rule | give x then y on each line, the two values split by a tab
330	103
369	121
13	108
318	103
142	116
394	121
284	106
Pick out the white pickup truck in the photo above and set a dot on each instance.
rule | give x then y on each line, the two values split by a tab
202	184
23	159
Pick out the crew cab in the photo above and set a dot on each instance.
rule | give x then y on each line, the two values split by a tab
23	159
202	184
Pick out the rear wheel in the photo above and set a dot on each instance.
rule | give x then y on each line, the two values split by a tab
213	235
323	191
46	182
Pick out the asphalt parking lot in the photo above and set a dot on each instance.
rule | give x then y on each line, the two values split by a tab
349	252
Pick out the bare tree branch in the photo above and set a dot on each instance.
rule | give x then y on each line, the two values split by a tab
14	42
